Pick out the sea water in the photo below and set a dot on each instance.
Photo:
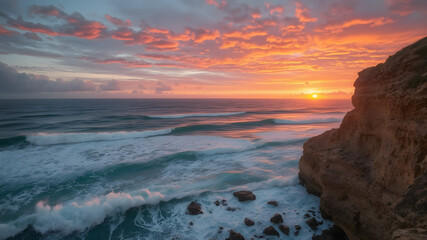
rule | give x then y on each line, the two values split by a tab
128	168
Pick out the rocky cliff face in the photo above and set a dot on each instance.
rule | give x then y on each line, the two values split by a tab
371	173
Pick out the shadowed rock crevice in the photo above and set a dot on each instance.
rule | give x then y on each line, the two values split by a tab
371	172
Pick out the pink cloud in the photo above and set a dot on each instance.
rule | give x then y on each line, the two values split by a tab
76	25
303	14
118	22
217	3
200	35
373	22
274	8
7	32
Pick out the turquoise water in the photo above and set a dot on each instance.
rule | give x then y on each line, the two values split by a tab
127	169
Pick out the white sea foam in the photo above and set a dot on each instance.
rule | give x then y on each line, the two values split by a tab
62	161
307	121
197	115
79	215
205	226
61	138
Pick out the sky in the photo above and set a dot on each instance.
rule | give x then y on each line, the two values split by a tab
198	48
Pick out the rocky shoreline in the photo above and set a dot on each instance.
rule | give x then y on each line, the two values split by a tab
371	173
277	227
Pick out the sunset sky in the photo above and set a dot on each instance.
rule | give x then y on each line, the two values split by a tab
198	48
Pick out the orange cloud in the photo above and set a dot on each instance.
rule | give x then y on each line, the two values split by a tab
274	8
215	3
157	30
201	34
303	14
124	34
118	22
373	22
245	35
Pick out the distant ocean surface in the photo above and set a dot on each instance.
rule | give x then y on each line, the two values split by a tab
127	169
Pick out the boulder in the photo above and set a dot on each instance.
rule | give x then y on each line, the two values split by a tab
249	222
194	208
284	229
244	196
277	218
235	236
271	231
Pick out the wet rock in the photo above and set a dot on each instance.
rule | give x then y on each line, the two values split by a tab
235	236
216	203
244	196
270	231
224	202
313	223
231	209
274	203
284	229
194	208
307	215
333	233
277	218
191	223
297	227
249	222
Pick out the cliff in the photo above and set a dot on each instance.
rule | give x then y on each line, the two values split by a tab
370	173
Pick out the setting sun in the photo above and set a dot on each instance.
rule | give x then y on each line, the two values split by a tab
314	95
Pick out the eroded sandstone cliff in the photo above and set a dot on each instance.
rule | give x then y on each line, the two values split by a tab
371	173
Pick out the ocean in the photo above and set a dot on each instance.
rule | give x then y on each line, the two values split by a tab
128	168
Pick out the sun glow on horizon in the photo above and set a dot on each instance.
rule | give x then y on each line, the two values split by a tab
314	95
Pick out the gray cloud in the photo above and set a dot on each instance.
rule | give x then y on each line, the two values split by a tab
112	85
161	88
31	35
13	82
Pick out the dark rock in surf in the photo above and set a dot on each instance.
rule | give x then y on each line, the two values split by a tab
231	209
284	229
235	236
271	231
244	196
249	222
194	209
277	218
274	203
333	233
312	223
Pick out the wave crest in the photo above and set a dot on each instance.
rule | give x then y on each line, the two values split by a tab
197	115
61	138
307	121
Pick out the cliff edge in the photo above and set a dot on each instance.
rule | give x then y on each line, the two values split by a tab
371	173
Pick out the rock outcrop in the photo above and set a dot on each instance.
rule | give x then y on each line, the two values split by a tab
244	196
194	209
370	173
